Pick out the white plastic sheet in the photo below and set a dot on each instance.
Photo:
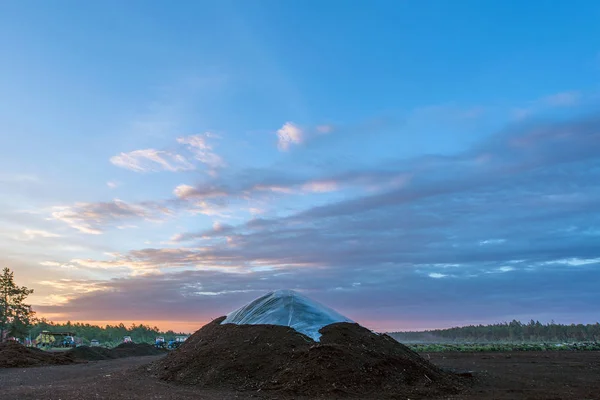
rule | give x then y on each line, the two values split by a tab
287	308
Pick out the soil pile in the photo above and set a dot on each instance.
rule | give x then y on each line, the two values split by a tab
15	355
121	351
136	349
90	353
348	361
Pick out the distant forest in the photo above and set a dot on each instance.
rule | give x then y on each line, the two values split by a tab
109	334
514	331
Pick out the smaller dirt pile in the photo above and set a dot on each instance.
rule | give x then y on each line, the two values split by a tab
123	350
349	360
15	355
90	353
136	349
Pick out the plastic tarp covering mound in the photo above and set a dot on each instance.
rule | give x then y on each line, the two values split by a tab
287	308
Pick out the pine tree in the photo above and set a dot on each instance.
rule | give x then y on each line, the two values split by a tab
15	316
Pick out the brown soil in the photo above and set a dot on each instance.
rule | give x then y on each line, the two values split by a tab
559	375
91	353
13	355
349	361
136	349
543	375
121	351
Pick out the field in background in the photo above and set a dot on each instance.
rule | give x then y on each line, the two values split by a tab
501	347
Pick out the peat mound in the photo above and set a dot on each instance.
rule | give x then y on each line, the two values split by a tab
15	355
121	351
349	360
136	349
90	353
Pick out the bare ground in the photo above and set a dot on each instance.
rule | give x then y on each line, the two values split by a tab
502	376
556	375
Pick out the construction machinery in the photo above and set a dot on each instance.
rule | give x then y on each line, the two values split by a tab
176	342
159	343
47	339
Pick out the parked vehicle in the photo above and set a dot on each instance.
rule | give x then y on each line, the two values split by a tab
159	343
47	339
176	342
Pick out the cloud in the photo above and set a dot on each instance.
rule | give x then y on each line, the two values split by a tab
562	99
18	178
65	290
320	186
50	264
436	275
534	184
112	184
187	192
151	160
491	241
396	299
289	134
257	184
325	128
93	218
30	234
453	210
506	269
202	151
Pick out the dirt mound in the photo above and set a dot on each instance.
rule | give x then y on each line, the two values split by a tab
136	349
349	361
121	351
90	353
15	355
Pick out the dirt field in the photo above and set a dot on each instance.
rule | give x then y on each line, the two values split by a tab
502	376
527	375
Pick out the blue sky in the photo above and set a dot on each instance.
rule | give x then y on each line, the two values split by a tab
412	164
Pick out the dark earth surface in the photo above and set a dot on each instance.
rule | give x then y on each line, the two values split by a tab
276	362
527	375
14	355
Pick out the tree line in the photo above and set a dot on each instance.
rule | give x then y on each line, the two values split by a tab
108	334
514	331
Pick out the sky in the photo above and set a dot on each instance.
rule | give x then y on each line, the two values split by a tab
411	164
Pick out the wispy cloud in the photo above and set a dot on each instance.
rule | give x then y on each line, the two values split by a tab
436	275
193	148
562	99
288	135
93	218
50	264
198	145
320	186
112	184
30	234
151	160
187	192
12	178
